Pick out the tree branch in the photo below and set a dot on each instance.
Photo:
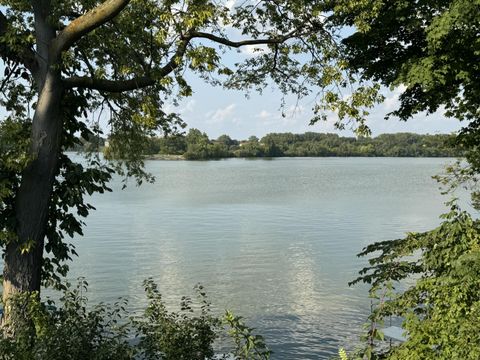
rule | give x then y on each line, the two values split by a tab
174	60
113	86
237	44
118	86
88	22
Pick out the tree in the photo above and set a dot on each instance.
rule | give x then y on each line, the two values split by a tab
226	140
198	145
431	48
250	148
172	145
68	61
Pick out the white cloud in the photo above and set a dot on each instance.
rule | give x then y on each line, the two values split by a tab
295	116
222	114
392	101
184	108
263	115
169	108
189	107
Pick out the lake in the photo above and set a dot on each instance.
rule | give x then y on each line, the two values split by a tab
273	240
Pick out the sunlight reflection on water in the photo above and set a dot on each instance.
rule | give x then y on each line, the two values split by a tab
275	241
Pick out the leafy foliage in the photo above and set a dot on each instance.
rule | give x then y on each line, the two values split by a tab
342	354
69	332
431	47
247	345
73	330
440	309
170	335
14	142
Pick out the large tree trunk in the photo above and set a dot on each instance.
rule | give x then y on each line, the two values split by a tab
23	258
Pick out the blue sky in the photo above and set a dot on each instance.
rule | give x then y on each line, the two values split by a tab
217	111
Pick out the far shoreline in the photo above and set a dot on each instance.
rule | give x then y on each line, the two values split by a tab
165	157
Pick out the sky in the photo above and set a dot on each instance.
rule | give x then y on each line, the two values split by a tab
217	111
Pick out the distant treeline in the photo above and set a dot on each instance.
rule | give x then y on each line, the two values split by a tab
196	145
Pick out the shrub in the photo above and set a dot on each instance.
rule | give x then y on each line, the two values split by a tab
75	331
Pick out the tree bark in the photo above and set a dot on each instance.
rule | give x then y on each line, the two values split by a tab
23	258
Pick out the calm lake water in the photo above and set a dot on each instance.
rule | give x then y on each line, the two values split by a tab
274	241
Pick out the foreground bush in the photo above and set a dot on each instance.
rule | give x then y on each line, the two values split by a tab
431	281
70	330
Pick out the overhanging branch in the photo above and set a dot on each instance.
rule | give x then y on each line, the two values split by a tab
237	44
117	86
88	22
113	86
